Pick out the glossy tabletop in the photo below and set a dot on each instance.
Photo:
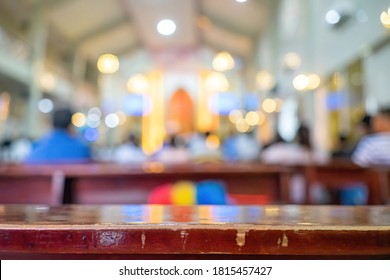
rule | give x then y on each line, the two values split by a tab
155	229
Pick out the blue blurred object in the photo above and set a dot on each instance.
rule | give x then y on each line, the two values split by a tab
252	102
354	195
211	192
336	100
137	105
224	103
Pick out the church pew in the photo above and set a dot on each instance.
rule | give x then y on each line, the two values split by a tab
32	188
194	232
115	184
100	183
344	174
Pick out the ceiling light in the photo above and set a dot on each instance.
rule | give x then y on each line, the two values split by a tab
223	61
269	105
301	82
138	84
79	119
112	120
45	106
333	17
216	82
385	19
241	1
108	63
314	81
166	27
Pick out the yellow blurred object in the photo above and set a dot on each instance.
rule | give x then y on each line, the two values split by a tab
314	82
252	118
108	63
79	119
223	61
301	82
5	100
213	142
385	19
269	105
265	80
184	193
138	84
216	82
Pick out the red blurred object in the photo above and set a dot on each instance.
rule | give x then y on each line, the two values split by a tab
161	195
249	199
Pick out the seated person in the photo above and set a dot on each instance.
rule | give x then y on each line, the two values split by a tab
241	147
298	152
174	151
204	148
59	146
130	151
374	149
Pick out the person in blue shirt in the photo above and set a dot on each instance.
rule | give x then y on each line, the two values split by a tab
59	146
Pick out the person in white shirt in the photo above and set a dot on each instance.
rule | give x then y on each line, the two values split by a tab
374	149
130	152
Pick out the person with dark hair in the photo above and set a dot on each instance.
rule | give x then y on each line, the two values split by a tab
298	152
174	151
59	146
374	149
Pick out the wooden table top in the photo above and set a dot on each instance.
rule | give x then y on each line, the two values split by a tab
237	230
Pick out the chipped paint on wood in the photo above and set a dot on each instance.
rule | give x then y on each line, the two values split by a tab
184	236
143	240
240	238
109	238
283	241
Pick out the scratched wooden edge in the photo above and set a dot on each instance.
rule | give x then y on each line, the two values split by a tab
195	241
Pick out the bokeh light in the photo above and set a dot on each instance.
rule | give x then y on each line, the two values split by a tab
108	63
332	17
235	116
242	126
91	134
45	106
265	80
223	61
112	120
216	82
385	19
166	27
94	114
252	118
292	61
301	82
79	119
314	82
138	84
269	105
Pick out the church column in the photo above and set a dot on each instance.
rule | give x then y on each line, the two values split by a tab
38	37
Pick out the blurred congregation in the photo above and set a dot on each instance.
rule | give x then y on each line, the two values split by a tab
160	86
